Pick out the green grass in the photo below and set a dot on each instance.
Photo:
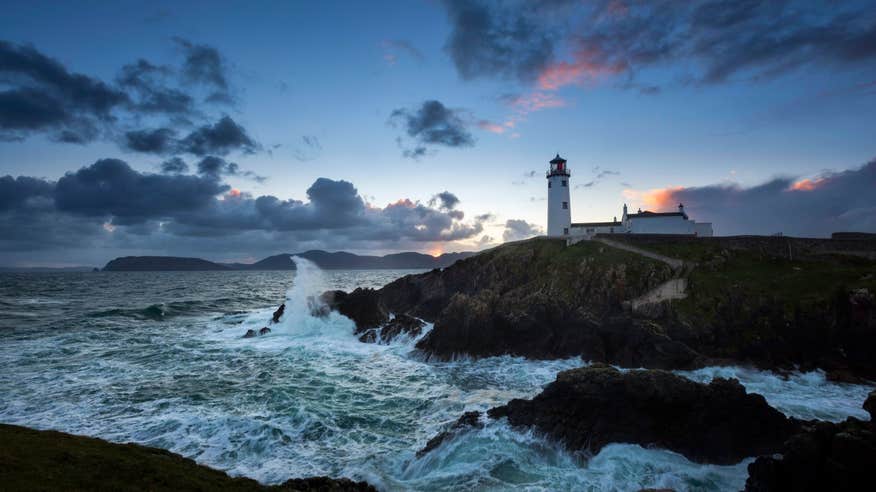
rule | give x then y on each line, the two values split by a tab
49	460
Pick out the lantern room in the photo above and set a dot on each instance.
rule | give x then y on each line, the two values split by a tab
558	167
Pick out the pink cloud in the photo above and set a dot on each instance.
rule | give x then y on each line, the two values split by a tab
491	127
584	68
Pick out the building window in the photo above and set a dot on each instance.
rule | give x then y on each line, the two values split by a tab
565	205
565	183
565	231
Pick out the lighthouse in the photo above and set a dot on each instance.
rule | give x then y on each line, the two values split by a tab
559	210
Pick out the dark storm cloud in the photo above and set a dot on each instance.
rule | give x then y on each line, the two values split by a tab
16	192
216	167
110	205
110	187
432	123
706	41
516	229
221	138
158	141
508	40
42	95
174	165
833	201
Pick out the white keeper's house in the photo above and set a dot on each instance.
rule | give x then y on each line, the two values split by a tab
642	222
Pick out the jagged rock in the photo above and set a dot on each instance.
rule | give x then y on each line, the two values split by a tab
400	324
264	331
590	407
326	484
824	456
249	333
468	420
363	306
278	313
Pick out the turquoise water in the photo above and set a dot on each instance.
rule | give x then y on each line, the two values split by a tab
158	359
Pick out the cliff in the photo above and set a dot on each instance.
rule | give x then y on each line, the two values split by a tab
49	460
741	300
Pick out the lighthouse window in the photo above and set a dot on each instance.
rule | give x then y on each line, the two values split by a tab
565	205
549	184
565	183
565	231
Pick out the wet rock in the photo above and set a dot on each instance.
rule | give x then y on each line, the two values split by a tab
278	313
590	407
363	306
469	420
264	331
249	333
824	456
401	324
326	484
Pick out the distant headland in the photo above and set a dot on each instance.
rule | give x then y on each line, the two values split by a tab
328	261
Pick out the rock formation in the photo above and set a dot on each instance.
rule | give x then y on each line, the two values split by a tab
823	456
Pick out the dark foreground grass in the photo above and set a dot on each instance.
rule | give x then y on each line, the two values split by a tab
49	460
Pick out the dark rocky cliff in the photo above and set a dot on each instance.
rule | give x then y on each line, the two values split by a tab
747	301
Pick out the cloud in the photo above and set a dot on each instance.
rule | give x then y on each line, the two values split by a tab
221	138
516	229
830	202
110	207
445	200
41	95
217	167
205	65
156	141
555	44
392	48
174	165
110	188
309	148
507	40
147	81
432	123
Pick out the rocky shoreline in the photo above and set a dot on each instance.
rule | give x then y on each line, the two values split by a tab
718	423
542	299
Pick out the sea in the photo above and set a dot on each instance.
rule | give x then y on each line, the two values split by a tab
158	358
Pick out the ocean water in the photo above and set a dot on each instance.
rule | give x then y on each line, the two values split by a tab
157	358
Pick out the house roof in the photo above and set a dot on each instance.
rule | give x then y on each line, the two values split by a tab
647	215
596	224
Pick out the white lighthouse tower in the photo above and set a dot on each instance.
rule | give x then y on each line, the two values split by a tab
559	209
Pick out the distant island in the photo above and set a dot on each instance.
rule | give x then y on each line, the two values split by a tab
323	259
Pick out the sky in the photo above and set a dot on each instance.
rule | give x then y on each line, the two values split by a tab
232	130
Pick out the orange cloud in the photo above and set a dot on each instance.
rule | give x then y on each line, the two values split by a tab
806	184
656	199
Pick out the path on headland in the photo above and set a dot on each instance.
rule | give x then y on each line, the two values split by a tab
673	262
674	288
